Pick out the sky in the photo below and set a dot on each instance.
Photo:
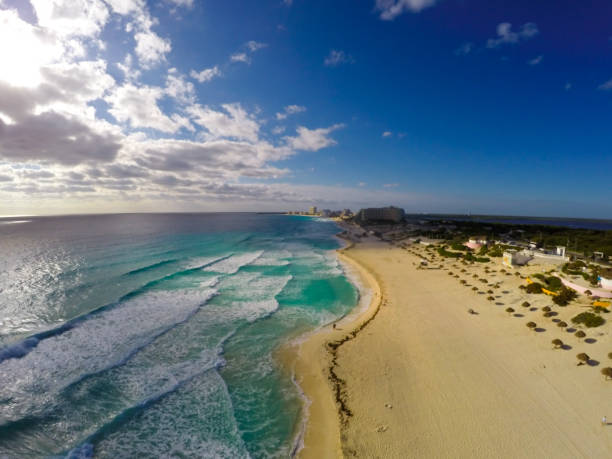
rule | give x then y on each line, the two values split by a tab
436	106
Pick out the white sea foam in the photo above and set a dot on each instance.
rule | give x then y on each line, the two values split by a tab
232	264
196	420
100	341
201	262
15	222
273	258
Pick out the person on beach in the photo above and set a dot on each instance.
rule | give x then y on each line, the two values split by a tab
604	421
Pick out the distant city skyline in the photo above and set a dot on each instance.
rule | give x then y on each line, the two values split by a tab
435	106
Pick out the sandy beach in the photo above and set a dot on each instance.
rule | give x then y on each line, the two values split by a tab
415	375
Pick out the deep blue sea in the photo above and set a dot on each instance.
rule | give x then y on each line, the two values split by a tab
153	335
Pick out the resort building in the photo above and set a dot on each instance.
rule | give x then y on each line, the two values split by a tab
382	214
556	256
313	210
476	242
513	258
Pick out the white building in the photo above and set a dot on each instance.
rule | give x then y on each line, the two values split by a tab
513	258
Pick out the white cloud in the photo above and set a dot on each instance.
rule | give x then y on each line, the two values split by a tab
138	107
361	184
290	110
151	48
255	46
390	9
71	17
505	35
390	185
337	57
607	86
233	123
125	7
312	139
464	49
178	88
387	134
568	86
36	47
161	144
206	75
536	60
183	3
240	57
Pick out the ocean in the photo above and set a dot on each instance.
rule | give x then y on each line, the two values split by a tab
148	335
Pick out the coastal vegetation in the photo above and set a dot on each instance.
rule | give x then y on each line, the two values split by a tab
564	296
588	319
551	283
534	287
577	240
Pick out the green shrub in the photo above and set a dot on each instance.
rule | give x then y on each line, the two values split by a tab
553	283
491	298
546	309
607	372
610	355
564	297
531	325
561	324
509	310
542	277
589	319
526	304
580	334
534	287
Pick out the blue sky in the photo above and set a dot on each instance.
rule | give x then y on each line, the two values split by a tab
436	106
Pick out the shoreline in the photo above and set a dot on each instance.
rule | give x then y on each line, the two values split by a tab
311	359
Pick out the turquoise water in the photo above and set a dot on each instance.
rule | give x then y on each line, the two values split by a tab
153	335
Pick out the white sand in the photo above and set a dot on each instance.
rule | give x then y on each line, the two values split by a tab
427	379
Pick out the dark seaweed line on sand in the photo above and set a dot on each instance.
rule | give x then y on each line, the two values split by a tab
339	384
